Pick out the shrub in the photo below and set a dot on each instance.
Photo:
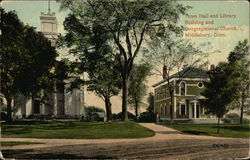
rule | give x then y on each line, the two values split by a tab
147	117
245	120
3	116
231	118
234	118
118	116
93	109
95	117
247	112
92	113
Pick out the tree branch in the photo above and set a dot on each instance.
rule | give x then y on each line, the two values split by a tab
140	41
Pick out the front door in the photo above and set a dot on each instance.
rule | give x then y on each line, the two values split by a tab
36	106
197	111
192	104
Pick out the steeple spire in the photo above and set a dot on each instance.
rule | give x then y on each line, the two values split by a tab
49	7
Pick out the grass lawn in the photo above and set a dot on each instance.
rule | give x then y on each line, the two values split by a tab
226	130
14	143
74	129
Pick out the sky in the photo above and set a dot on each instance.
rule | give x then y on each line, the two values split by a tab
231	14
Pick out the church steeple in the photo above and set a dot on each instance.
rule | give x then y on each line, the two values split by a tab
49	6
49	24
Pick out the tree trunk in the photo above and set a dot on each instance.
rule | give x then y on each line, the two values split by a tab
242	107
108	109
9	110
218	125
124	97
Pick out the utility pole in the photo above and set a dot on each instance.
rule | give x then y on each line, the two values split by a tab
1	155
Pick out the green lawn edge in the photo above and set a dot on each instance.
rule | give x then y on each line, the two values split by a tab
75	130
226	130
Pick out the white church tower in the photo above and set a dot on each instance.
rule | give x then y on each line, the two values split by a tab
60	103
49	24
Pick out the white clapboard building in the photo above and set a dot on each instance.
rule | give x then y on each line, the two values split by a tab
62	103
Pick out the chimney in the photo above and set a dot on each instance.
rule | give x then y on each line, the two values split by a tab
164	73
212	67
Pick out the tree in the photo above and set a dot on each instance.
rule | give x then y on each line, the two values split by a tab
149	115
127	24
173	54
100	66
26	58
62	72
150	101
220	91
104	80
240	64
137	88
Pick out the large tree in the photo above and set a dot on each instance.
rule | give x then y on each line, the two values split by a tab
128	25
101	67
137	89
26	58
103	80
220	91
240	65
174	54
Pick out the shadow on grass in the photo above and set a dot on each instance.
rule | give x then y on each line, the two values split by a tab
23	127
168	132
16	130
64	156
194	132
27	122
27	154
15	153
234	128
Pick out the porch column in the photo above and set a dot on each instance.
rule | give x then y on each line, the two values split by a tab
174	116
195	110
54	104
190	110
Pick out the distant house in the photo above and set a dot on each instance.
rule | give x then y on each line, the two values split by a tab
188	84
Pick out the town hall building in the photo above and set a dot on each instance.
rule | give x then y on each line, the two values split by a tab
187	87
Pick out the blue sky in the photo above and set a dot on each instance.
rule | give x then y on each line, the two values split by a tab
30	10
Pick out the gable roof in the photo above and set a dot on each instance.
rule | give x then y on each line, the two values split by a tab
197	97
189	72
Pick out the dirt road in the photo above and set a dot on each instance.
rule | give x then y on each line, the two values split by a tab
166	144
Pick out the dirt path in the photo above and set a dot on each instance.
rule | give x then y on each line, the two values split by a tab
161	133
167	143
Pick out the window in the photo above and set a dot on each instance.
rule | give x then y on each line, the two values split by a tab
165	93
156	94
162	93
200	85
161	110
182	110
165	109
182	88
